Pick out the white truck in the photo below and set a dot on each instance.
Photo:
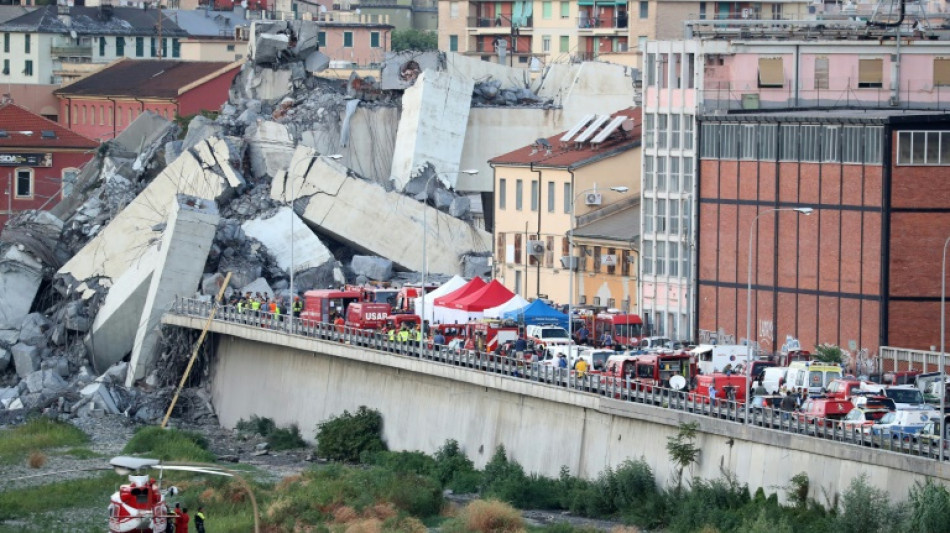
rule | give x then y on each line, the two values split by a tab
716	357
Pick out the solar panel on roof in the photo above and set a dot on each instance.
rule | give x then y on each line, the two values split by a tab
614	124
573	131
601	119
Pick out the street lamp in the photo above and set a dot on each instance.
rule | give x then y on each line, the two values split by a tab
570	266
748	310
425	231
943	350
293	215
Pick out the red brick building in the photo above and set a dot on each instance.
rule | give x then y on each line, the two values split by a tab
35	155
864	266
101	105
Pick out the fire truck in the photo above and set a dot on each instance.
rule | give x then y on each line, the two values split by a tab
376	294
320	305
367	315
355	305
648	370
493	332
626	329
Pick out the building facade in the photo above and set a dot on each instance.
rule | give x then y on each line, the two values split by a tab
36	155
102	105
535	187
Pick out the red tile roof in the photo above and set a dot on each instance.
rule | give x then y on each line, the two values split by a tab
143	78
24	129
564	155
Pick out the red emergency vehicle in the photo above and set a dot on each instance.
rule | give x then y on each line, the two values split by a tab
396	320
493	332
648	370
366	315
319	305
729	387
375	294
626	329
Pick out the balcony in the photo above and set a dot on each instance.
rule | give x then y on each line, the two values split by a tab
71	51
592	24
500	25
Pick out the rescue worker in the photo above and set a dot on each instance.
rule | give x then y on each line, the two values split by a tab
403	335
392	334
580	367
298	306
417	334
200	520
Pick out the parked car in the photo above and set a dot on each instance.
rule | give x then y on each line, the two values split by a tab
860	420
842	389
903	395
904	422
873	401
824	411
930	433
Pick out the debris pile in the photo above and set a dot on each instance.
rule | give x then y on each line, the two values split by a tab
334	180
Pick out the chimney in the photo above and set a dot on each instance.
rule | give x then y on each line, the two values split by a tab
63	13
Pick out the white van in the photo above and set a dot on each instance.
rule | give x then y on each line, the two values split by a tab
716	357
548	335
773	378
812	376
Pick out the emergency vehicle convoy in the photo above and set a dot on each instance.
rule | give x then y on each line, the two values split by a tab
624	328
647	370
359	307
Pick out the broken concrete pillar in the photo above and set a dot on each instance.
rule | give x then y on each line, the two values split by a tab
45	381
113	331
100	394
5	358
26	358
302	247
374	268
270	147
265	84
378	222
20	278
181	259
35	330
432	127
121	243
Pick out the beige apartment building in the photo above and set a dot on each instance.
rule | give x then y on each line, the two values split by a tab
535	187
569	30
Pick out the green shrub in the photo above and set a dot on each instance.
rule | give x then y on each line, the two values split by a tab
714	503
256	426
929	508
401	462
797	491
454	469
169	445
865	509
345	437
38	433
286	438
765	523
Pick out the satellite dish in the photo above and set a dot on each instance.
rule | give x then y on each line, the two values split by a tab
72	33
677	382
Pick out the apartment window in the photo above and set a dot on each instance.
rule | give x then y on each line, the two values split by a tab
660	266
176	48
120	46
923	148
747	142
870	73
675	131
688	174
347	39
674	261
873	144
626	261
661	215
771	72
139	46
564	44
646	259
102	116
550	197
675	217
675	174
24	183
453	10
102	46
829	145
661	174
502	193
6	67
546	43
26	43
519	194
129	111
549	252
648	215
6	42
597	259
546	10
230	48
517	248
650	68
322	38
687	132
702	10
534	195
28	68
374	39
152	47
568	198
821	72
649	130
453	43
690	71
644	9
648	171
565	9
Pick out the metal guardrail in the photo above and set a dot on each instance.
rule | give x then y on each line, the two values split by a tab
589	383
923	360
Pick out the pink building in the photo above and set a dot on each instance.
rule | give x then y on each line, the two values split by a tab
362	41
101	105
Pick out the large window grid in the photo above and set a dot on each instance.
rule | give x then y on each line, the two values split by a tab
747	142
662	130
675	133
649	125
807	143
661	174
648	173
646	261
675	174
648	215
923	148
688	131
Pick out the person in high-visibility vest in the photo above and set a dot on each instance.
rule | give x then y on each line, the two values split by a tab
392	334
403	335
581	367
298	305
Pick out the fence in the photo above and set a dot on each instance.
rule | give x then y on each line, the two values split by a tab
923	360
583	383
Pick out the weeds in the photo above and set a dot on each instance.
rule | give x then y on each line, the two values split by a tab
169	445
37	459
347	436
489	516
37	434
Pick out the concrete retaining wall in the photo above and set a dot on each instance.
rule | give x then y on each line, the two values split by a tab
305	381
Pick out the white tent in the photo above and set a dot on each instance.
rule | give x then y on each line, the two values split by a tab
511	305
449	286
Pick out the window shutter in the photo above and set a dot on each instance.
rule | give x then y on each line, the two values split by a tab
771	73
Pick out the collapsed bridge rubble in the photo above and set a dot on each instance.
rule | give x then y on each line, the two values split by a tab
301	173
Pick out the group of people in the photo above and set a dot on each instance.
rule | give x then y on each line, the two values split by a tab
582	336
404	333
264	303
179	520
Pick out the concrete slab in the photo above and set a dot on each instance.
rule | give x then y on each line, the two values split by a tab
123	241
20	278
401	69
266	84
270	147
300	249
182	256
375	221
432	127
26	358
259	285
113	331
217	154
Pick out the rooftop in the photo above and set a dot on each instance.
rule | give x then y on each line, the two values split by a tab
20	128
622	225
12	12
145	78
94	21
204	23
579	147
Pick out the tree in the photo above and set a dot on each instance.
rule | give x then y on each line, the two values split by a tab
412	39
683	450
829	353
